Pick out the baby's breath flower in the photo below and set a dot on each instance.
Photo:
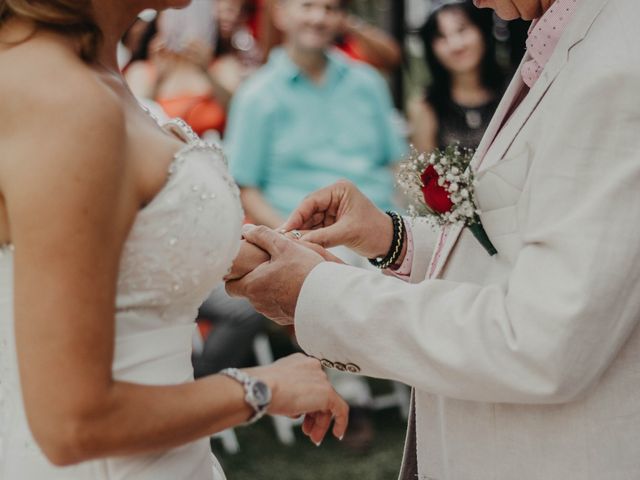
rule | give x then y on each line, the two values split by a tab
451	166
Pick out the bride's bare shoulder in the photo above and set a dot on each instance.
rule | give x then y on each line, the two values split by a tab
50	94
44	83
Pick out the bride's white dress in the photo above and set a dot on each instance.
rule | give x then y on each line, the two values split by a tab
181	244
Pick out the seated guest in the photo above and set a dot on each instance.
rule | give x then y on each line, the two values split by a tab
357	38
308	117
467	82
185	75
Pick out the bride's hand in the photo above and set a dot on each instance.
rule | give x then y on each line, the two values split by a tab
342	215
248	258
299	386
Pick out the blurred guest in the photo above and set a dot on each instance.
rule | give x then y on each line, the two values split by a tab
357	38
308	117
134	45
183	76
364	41
237	53
466	80
229	343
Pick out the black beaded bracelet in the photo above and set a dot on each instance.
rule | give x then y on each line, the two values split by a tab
397	242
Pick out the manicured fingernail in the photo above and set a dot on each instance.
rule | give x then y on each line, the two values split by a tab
340	437
317	444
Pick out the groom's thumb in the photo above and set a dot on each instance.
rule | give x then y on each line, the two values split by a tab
326	237
265	238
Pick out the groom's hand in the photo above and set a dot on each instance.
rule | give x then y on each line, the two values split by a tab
340	214
274	286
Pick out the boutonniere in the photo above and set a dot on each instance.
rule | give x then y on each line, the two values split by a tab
439	185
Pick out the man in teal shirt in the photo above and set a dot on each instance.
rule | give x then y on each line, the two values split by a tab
310	117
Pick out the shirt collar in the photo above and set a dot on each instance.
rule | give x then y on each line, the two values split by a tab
543	37
337	65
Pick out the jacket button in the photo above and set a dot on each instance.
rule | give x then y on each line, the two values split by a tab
326	363
340	367
352	368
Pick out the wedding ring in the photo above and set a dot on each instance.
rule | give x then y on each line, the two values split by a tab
296	234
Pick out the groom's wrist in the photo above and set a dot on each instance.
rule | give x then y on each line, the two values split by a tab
395	247
383	233
398	263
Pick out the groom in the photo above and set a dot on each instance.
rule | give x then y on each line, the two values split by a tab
524	364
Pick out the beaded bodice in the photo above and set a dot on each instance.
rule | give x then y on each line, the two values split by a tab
183	242
180	246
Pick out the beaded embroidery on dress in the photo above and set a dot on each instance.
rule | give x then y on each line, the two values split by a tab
180	246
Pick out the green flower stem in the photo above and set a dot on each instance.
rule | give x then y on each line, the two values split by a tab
481	235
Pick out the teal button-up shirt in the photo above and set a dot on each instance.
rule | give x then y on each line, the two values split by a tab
289	136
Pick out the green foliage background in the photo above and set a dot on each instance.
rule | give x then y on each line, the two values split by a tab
263	457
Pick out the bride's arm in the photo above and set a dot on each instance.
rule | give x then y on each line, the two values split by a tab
71	199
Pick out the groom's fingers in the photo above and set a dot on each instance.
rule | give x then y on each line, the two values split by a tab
267	239
248	258
313	209
326	254
327	237
235	288
238	288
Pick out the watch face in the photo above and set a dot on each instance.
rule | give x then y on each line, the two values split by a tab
261	393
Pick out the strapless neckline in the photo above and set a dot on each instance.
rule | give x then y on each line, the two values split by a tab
191	141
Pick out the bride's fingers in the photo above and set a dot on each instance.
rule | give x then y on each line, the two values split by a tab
340	412
308	422
320	427
263	237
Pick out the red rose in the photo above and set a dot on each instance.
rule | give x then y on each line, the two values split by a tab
435	196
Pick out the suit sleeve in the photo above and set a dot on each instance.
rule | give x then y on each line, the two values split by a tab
572	296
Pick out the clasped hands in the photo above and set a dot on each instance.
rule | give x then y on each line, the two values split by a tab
272	265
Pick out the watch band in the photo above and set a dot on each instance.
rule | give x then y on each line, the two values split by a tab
248	383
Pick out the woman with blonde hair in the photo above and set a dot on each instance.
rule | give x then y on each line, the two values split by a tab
112	231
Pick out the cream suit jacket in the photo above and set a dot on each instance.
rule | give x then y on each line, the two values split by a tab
525	365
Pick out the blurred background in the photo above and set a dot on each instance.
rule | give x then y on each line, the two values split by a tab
302	93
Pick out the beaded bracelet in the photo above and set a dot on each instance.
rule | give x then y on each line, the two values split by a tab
399	235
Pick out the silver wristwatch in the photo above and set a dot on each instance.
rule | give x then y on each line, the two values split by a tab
257	393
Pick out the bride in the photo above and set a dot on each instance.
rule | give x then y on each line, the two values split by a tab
112	231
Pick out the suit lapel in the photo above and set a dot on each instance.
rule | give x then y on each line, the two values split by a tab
576	30
500	134
510	95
